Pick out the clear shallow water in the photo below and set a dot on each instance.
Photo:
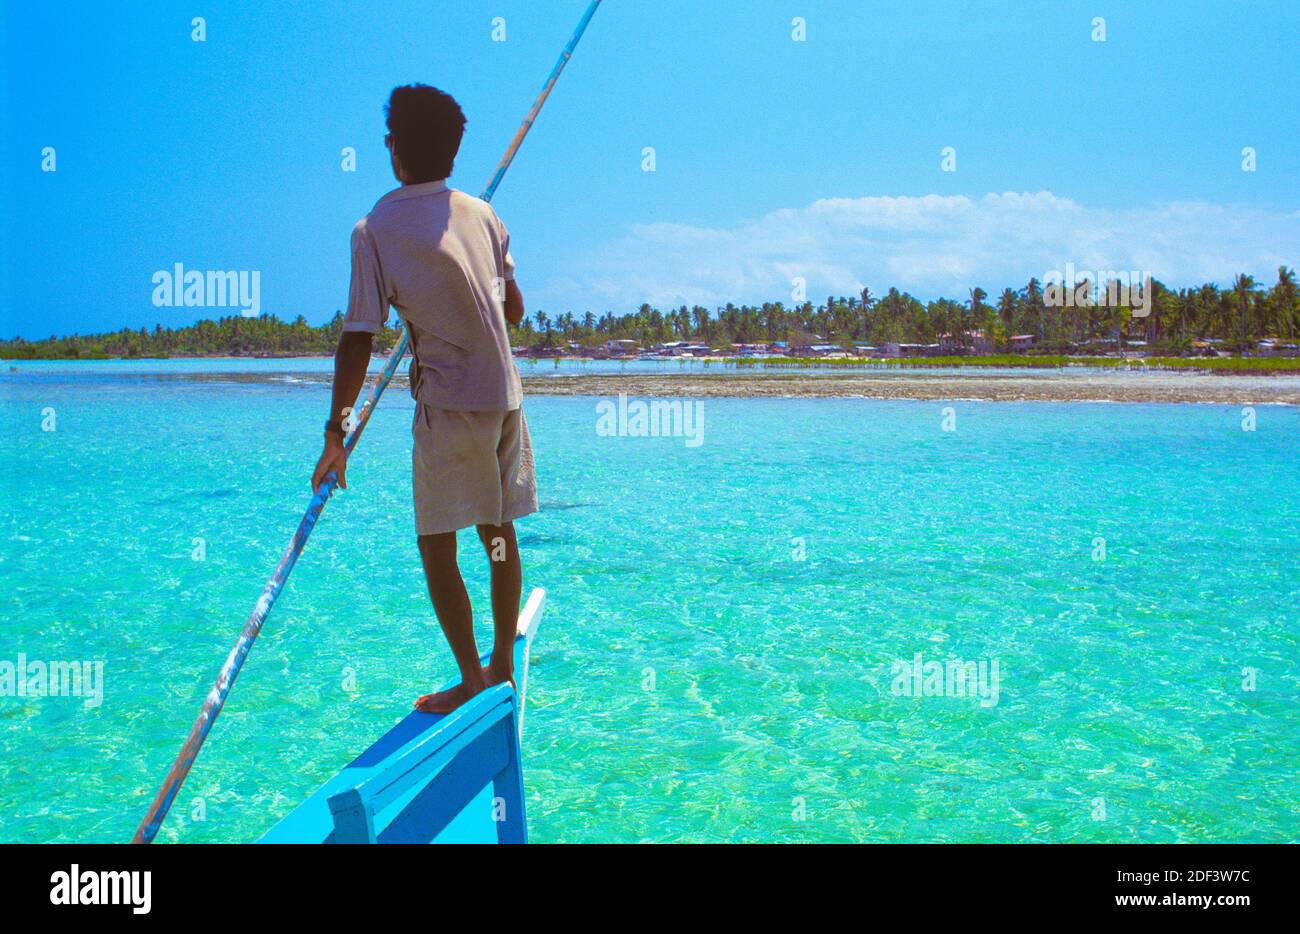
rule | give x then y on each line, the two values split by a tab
182	366
672	568
324	366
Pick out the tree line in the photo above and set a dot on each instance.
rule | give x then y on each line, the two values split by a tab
235	336
1239	315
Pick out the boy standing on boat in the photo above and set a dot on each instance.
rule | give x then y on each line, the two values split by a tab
442	259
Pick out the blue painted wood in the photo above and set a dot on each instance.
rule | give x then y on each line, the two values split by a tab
456	789
482	740
508	807
432	777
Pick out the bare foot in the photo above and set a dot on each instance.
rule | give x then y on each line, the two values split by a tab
444	701
493	677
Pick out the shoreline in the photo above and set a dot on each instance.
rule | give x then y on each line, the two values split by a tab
1150	386
1231	366
1164	388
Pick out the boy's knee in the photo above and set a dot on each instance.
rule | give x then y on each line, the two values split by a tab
442	545
499	542
490	533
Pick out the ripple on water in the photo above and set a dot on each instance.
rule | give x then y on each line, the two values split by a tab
716	658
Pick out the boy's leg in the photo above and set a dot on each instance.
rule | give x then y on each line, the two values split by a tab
507	587
451	604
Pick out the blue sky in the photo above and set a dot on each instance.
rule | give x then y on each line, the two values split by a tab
775	159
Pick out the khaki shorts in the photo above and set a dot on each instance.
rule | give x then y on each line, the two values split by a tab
471	468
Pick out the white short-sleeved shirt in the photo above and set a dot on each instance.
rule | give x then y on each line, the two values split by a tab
441	258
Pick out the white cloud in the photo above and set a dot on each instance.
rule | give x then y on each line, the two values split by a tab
931	246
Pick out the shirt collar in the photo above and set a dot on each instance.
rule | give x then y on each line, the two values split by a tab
415	191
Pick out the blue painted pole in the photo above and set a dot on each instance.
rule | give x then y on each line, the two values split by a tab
216	698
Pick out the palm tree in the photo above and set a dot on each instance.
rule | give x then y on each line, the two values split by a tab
1034	306
1285	302
1241	287
1008	306
701	316
977	296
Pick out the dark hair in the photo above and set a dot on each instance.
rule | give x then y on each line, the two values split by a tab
426	126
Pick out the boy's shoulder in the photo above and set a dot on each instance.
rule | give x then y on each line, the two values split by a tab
463	201
361	231
397	202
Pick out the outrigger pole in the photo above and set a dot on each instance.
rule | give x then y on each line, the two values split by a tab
216	698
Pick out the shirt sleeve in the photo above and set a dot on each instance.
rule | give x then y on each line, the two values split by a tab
367	297
507	261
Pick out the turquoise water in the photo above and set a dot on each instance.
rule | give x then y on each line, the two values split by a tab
528	367
693	680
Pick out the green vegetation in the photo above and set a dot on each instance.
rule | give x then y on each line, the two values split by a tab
1033	361
233	336
1231	364
1238	317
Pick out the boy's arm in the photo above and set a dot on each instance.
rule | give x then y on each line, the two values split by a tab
368	301
350	363
514	303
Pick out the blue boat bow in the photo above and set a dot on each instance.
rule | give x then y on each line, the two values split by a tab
433	778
